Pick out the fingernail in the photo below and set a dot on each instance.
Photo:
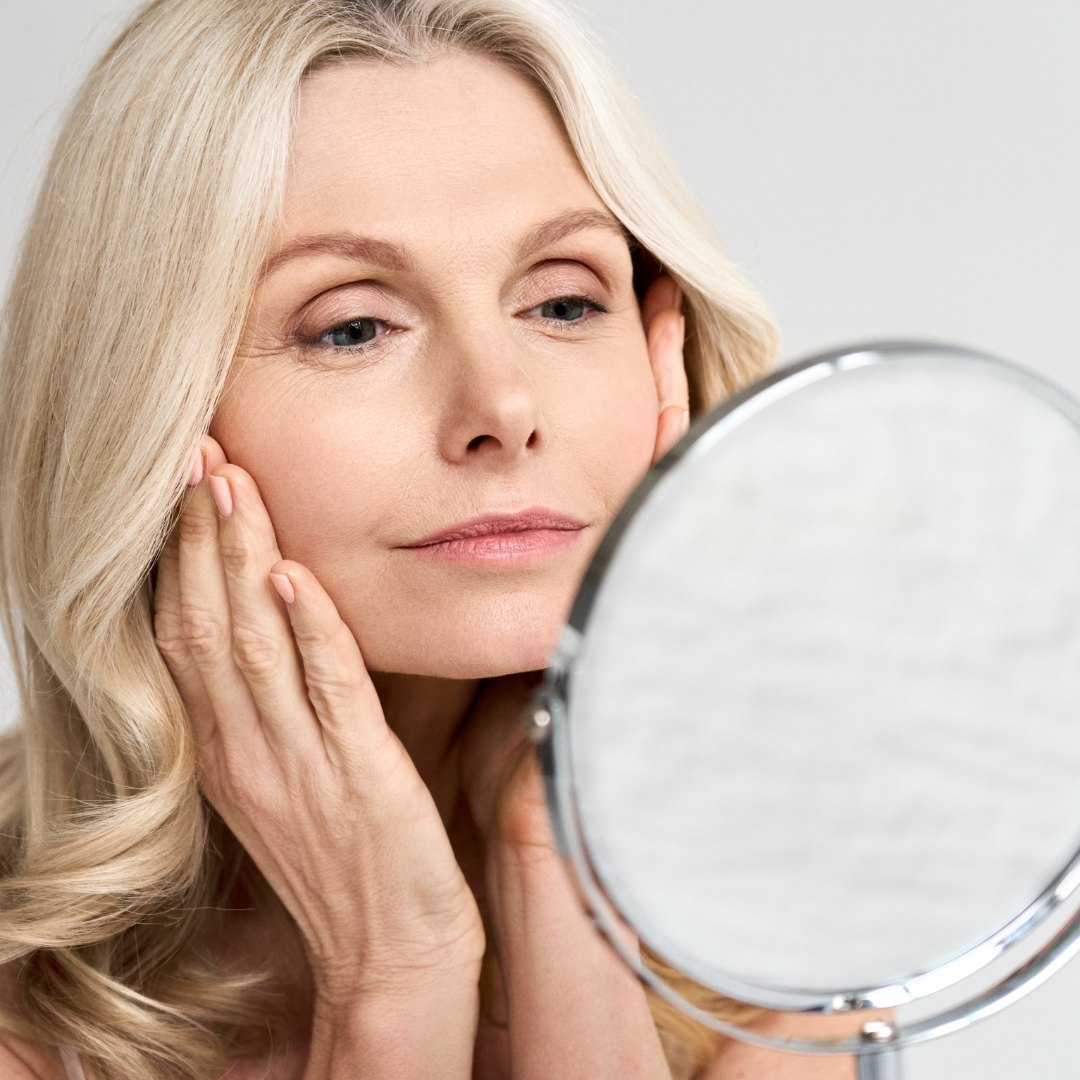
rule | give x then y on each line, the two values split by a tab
284	587
196	473
677	305
685	425
219	486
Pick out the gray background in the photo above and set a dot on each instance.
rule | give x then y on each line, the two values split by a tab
879	168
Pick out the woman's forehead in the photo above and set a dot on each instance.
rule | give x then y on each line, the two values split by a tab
451	144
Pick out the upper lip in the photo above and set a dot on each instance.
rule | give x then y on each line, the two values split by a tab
531	520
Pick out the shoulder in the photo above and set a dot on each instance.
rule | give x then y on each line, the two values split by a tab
20	1058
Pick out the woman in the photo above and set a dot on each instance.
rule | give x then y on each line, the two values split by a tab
423	277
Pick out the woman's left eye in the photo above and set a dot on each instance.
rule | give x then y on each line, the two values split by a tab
354	333
565	309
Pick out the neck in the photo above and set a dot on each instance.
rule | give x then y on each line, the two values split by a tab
426	714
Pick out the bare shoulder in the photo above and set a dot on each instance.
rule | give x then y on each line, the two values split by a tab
20	1058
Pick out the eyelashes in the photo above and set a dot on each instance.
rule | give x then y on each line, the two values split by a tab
567	309
363	333
355	333
353	337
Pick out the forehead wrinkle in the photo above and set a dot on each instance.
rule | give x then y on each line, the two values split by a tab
549	233
348	246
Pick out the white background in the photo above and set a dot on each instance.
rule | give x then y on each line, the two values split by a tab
879	169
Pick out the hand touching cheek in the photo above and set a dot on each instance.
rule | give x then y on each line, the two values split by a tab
296	756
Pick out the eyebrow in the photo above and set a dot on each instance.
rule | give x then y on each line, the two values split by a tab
559	228
374	252
348	246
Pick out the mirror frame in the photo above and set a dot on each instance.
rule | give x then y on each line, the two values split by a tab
549	722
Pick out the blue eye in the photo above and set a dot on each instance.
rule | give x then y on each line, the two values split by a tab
565	309
354	332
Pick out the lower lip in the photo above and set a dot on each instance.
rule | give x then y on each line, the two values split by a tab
530	545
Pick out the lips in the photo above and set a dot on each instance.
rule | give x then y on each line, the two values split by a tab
527	535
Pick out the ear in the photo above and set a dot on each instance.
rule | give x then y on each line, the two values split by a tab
665	330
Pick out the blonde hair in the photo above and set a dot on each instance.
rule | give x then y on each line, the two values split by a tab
134	282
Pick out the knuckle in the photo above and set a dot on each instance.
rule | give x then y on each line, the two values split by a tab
256	653
243	792
337	690
167	618
329	677
170	640
313	637
205	636
196	528
237	555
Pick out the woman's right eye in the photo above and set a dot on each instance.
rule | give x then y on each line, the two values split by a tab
354	333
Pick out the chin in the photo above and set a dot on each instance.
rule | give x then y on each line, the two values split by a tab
475	645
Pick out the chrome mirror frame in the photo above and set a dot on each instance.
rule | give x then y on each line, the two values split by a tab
550	723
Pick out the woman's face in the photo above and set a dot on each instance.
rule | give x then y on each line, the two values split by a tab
444	392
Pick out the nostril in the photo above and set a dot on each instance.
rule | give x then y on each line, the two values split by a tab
480	441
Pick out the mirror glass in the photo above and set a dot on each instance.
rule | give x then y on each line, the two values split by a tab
823	719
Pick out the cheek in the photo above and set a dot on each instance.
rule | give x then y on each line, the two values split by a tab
347	476
610	425
329	471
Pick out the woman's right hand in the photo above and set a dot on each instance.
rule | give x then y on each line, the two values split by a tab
297	758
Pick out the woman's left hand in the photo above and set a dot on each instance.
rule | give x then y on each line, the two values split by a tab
573	1008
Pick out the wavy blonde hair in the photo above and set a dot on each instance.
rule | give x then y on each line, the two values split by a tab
134	282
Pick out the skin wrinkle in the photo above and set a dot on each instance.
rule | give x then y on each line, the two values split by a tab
382	254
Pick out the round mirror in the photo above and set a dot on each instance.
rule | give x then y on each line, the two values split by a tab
816	730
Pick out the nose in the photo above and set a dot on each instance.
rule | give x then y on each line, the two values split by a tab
490	409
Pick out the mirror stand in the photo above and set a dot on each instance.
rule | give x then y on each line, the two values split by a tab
881	1065
880	1058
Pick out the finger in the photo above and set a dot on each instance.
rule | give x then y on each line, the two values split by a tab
337	680
168	624
168	617
663	294
518	814
264	648
212	457
171	642
495	741
205	618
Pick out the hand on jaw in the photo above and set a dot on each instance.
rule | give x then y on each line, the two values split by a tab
296	756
